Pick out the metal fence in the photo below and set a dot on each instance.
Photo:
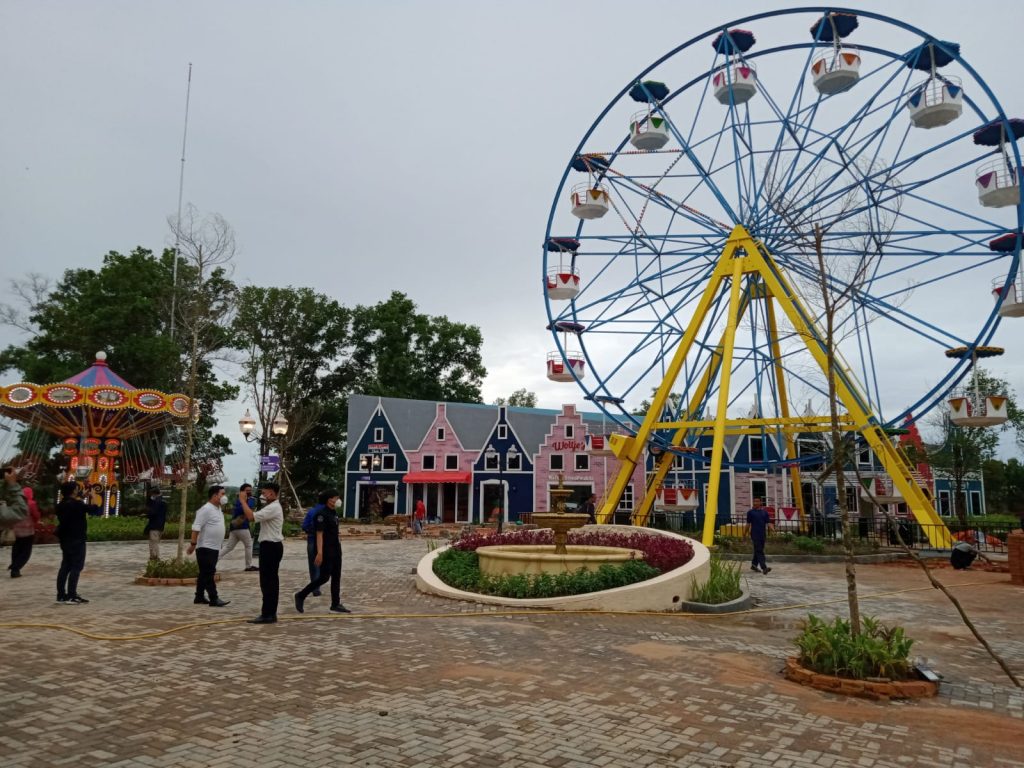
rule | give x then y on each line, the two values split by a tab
878	531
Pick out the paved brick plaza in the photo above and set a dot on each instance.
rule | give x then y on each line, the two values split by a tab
465	687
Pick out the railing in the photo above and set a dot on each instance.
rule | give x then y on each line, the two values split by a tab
986	537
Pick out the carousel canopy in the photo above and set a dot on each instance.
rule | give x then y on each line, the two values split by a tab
94	403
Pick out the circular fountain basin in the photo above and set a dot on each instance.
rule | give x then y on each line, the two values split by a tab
541	558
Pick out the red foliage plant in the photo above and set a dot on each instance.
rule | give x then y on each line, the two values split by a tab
662	552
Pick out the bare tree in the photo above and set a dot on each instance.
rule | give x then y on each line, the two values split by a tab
30	292
204	305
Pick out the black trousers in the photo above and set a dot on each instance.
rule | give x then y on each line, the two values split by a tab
206	583
758	560
21	551
72	562
271	553
330	570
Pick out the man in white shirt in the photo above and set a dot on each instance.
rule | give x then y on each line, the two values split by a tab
271	519
207	535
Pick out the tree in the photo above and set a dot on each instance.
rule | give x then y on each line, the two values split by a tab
398	352
521	398
204	302
290	339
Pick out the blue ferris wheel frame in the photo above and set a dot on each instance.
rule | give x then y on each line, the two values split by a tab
609	402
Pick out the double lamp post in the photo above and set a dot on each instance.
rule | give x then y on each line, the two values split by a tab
278	429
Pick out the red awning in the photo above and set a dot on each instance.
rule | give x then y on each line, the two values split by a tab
437	477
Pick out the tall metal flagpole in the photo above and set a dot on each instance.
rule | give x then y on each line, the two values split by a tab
181	189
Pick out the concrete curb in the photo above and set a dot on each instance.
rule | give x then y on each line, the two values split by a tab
742	603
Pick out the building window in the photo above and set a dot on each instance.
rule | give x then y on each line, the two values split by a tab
503	432
864	457
677	461
944	504
569	431
626	502
582	462
756	449
387	462
440	433
378	434
491	462
759	490
851	498
555	462
428	463
451	462
514	462
976	503
706	453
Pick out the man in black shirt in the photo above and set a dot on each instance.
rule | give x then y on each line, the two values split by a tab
328	556
72	514
156	511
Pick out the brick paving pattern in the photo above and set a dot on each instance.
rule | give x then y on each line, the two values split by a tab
464	685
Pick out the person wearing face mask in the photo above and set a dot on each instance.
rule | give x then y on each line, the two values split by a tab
271	519
207	534
239	527
328	556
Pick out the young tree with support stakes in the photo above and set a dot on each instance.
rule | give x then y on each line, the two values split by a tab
204	306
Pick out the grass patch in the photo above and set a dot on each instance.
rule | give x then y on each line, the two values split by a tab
723	583
172	569
461	569
831	649
790	544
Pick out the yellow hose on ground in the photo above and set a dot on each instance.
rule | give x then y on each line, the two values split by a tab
477	615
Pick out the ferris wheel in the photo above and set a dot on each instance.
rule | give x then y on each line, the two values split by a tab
868	180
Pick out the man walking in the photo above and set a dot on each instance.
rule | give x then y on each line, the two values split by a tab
207	534
156	511
759	522
240	533
328	556
271	519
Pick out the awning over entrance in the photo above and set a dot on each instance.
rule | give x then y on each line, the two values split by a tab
437	477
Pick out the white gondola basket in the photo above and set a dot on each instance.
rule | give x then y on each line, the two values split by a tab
936	102
563	282
562	368
836	71
1012	296
648	131
966	409
736	83
998	185
589	201
677	499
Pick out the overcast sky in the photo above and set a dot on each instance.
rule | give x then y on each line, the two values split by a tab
355	147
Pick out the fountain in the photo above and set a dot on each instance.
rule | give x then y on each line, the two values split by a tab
534	559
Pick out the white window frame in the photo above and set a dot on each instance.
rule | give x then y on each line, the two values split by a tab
492	461
751	442
570	431
868	461
852	495
561	462
584	459
448	462
378	434
974	496
503	431
433	462
440	434
762	496
626	502
385	460
517	460
945	510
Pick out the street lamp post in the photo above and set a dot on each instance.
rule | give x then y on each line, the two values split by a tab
368	464
490	454
278	428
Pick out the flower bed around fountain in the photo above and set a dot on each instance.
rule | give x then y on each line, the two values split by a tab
676	562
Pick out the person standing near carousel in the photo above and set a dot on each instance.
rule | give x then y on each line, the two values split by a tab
24	534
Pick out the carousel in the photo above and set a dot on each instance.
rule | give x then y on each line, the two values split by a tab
109	431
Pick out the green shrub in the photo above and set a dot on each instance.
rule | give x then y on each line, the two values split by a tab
723	583
461	569
172	569
807	544
831	649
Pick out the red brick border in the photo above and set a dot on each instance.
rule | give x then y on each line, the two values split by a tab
155	581
894	689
